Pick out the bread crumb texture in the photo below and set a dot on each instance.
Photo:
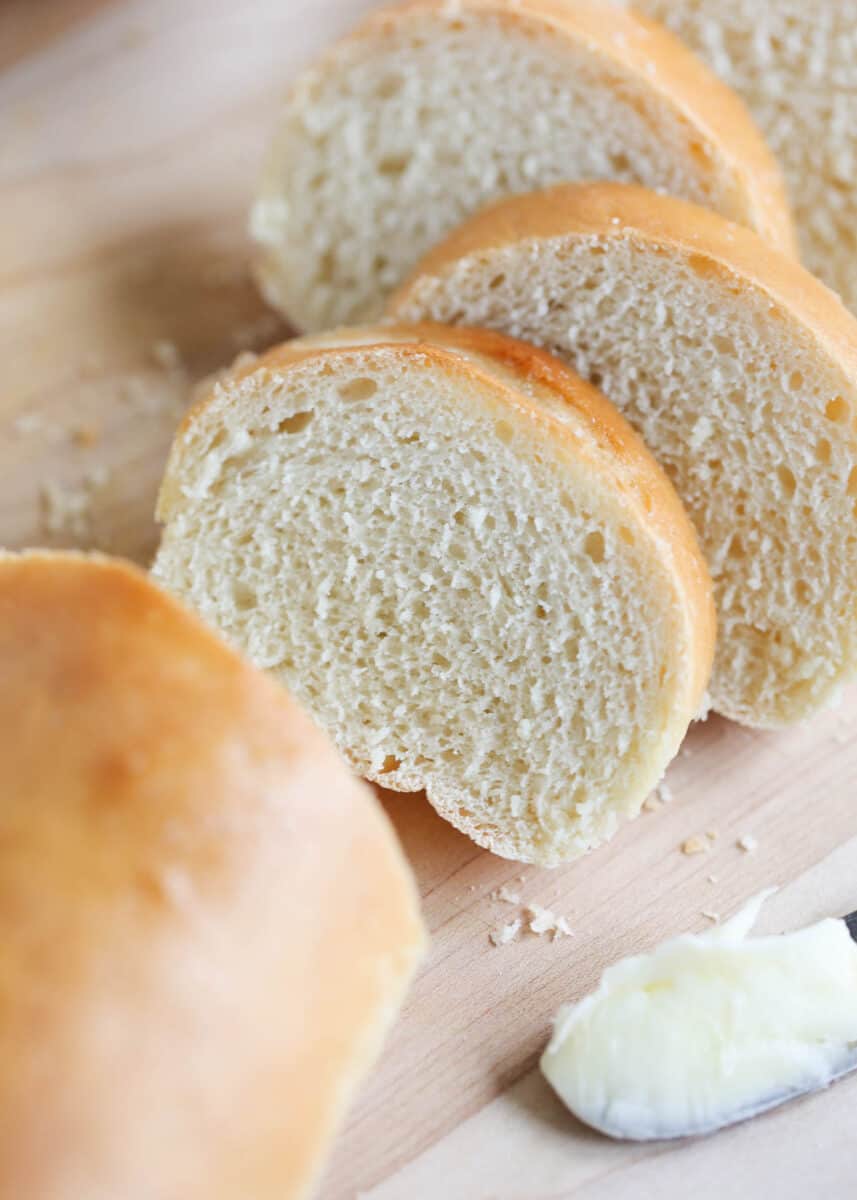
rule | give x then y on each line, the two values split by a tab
795	64
750	412
427	112
451	587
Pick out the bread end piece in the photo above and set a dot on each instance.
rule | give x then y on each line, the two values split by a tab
208	907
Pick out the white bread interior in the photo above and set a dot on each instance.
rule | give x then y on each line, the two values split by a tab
209	924
740	372
462	561
795	64
431	108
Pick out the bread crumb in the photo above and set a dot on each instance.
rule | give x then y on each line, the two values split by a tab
505	933
28	423
711	916
712	835
711	878
68	509
651	803
542	920
86	435
35	423
505	895
693	845
166	354
748	843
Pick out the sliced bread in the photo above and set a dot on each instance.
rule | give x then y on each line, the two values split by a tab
208	922
739	370
795	63
431	108
465	564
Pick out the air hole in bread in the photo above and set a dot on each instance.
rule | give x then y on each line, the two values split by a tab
626	535
244	596
701	265
394	165
594	545
295	423
803	592
388	86
497	282
787	481
852	482
822	451
837	410
724	345
700	153
326	267
358	389
390	764
504	431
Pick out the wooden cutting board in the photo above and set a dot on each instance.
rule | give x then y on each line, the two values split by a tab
130	133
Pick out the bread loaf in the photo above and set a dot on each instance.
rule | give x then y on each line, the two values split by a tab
433	107
464	563
739	370
795	64
208	924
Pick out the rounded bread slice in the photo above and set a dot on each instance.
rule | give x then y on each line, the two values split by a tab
462	561
795	64
739	370
431	108
209	924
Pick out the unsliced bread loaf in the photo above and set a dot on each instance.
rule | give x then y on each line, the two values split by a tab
463	562
208	923
795	63
740	371
431	108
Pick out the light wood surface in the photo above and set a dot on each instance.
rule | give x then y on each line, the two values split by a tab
129	137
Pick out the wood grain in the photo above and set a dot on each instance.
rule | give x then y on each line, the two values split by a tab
131	134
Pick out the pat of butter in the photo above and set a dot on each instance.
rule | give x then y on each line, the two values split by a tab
708	1029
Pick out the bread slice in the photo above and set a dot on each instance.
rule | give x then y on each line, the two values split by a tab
431	108
795	64
462	561
740	372
208	923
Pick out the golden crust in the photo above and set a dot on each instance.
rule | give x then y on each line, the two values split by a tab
191	883
616	211
601	437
